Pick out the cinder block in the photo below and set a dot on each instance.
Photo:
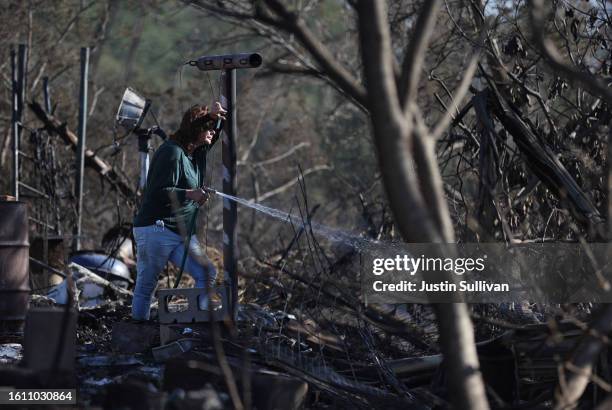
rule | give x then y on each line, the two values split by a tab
192	314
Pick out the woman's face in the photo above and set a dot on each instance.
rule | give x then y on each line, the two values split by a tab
205	137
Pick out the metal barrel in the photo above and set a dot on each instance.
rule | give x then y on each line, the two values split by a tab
14	265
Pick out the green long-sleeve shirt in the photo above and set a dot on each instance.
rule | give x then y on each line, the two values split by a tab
171	174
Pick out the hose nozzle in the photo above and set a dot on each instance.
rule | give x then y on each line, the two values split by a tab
209	190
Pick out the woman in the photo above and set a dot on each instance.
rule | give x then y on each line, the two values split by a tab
171	198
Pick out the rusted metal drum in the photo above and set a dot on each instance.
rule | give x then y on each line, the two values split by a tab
14	265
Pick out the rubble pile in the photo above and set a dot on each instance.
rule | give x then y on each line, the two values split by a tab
280	354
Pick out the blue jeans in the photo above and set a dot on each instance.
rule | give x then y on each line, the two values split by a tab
156	245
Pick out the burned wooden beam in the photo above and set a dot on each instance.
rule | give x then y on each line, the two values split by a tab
488	166
92	161
543	161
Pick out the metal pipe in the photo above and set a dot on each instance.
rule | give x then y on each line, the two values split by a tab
39	222
34	190
48	267
58	219
18	68
76	244
228	65
46	95
228	61
15	127
144	170
144	146
230	208
22	63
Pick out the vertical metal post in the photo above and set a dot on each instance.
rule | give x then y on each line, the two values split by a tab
144	146
46	94
230	210
144	170
22	64
80	164
15	126
22	80
18	65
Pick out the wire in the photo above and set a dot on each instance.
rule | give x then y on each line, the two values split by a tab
212	89
154	117
180	75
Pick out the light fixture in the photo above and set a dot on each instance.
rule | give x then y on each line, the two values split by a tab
132	110
130	115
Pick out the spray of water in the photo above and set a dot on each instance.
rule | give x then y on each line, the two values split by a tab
333	234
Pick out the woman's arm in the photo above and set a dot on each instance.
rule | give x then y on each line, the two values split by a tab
217	114
171	163
165	175
197	195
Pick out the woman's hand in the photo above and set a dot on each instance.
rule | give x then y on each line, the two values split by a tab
217	112
197	195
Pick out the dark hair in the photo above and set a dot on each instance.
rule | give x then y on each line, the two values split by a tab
195	120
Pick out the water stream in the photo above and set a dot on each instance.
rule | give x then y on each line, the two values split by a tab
333	234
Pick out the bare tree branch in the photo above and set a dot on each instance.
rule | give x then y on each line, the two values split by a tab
289	184
430	179
392	132
293	23
413	61
554	58
264	23
395	135
458	96
280	157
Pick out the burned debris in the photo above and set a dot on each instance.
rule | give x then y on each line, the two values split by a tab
411	122
323	353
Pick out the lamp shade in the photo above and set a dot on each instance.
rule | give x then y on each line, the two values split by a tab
132	110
